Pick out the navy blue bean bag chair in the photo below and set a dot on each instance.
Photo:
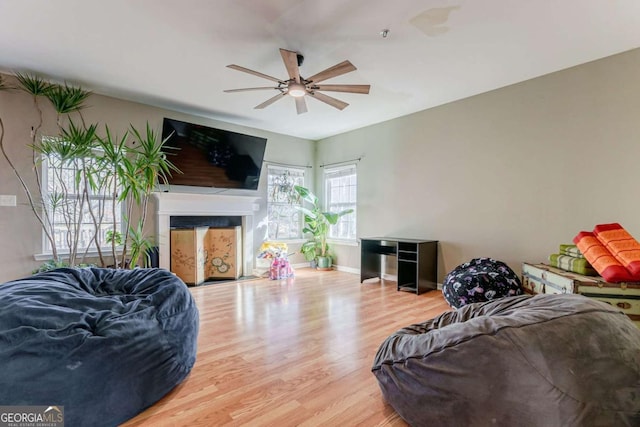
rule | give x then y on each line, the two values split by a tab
535	361
105	344
480	280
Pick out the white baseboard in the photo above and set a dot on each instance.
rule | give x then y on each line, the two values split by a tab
301	265
348	269
351	270
337	267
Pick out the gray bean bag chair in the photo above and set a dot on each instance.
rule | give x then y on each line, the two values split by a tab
547	360
103	343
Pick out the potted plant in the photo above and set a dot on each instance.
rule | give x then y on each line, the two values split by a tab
83	164
317	223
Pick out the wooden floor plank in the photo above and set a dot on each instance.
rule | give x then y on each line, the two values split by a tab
291	352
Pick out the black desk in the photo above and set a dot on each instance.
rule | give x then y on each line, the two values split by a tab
416	261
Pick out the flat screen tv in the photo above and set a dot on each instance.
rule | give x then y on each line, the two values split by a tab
210	157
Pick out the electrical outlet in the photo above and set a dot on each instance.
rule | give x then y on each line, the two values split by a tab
7	200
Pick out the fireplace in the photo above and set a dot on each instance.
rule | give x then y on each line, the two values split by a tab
190	209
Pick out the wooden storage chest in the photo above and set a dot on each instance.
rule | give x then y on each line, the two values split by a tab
544	279
202	253
223	253
188	255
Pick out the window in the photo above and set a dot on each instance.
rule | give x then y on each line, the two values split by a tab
63	194
285	221
340	185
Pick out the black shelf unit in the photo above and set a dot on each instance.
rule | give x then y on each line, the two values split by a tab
416	261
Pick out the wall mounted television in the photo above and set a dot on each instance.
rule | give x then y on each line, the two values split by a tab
210	157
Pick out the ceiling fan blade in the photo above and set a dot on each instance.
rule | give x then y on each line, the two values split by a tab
250	88
344	88
301	105
340	105
337	70
269	101
255	73
290	59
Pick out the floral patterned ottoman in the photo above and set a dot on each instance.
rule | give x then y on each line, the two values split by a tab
479	280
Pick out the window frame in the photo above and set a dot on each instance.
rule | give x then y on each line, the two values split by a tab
301	177
352	217
63	250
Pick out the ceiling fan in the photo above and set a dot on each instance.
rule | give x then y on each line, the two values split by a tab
299	87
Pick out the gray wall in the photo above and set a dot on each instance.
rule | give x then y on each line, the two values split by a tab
508	174
20	234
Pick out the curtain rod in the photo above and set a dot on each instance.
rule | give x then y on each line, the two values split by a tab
285	164
342	163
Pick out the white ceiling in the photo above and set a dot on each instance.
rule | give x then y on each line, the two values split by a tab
173	54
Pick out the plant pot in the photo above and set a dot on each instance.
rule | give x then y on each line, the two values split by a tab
324	262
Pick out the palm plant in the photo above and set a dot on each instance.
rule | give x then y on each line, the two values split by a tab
140	245
67	152
146	166
111	163
84	164
64	101
131	173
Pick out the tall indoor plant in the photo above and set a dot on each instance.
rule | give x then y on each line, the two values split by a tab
132	172
317	223
147	166
65	147
83	163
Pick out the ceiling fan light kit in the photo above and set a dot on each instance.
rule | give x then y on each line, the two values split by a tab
297	87
296	90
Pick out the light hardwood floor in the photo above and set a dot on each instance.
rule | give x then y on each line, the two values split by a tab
291	352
